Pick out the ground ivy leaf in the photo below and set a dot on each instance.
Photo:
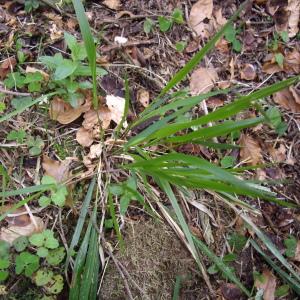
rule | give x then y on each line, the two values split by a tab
37	239
3	275
56	256
55	285
4	263
4	249
59	197
164	23
43	277
50	241
44	201
20	243
291	245
42	252
26	262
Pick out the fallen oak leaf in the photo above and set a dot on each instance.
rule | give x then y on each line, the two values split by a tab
92	118
288	98
294	9
59	170
267	283
250	152
248	72
112	4
84	137
116	105
202	80
64	113
200	11
7	66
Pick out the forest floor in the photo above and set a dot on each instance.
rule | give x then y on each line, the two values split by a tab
149	41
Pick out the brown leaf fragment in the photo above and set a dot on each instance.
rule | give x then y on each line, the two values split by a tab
20	224
291	62
223	46
251	151
34	70
294	9
289	98
143	97
248	72
279	154
59	170
84	137
297	252
203	80
200	11
64	113
112	4
281	18
92	118
7	66
268	285
231	292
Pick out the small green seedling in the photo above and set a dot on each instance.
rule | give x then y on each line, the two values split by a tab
17	135
35	144
291	245
33	81
58	193
227	162
2	107
180	46
275	120
31	5
282	291
230	36
279	58
65	71
4	260
27	263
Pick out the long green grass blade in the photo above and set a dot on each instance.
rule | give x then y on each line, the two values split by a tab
81	220
88	43
27	190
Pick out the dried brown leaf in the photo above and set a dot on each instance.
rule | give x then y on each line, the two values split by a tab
200	11
143	97
64	113
203	80
297	252
92	118
248	72
294	9
7	66
59	170
268	285
20	224
289	98
251	151
279	154
34	70
84	137
116	105
231	292
112	4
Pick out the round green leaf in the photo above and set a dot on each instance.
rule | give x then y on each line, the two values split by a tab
37	239
44	201
4	263
56	256
43	276
3	275
55	285
20	243
4	249
42	252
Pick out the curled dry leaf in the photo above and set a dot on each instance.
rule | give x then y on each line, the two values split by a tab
268	285
297	252
92	117
278	155
203	80
116	106
20	224
143	97
248	72
64	113
112	4
231	292
289	98
34	70
56	169
84	137
7	66
200	11
251	151
294	9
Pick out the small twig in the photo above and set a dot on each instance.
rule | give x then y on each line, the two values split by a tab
128	44
5	91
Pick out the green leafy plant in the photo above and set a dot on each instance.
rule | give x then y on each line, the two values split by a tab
180	46
66	72
31	5
291	245
32	81
164	23
58	192
230	36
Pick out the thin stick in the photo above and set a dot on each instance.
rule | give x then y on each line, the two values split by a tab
5	91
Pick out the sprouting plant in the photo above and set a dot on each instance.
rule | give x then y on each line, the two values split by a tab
164	23
31	5
230	36
66	72
58	193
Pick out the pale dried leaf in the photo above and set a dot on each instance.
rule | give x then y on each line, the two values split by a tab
95	151
297	252
143	97
84	137
289	98
202	80
7	66
116	105
34	70
268	285
291	62
279	154
64	113
200	11
294	8
250	151
92	118
59	170
248	72
112	4
12	232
